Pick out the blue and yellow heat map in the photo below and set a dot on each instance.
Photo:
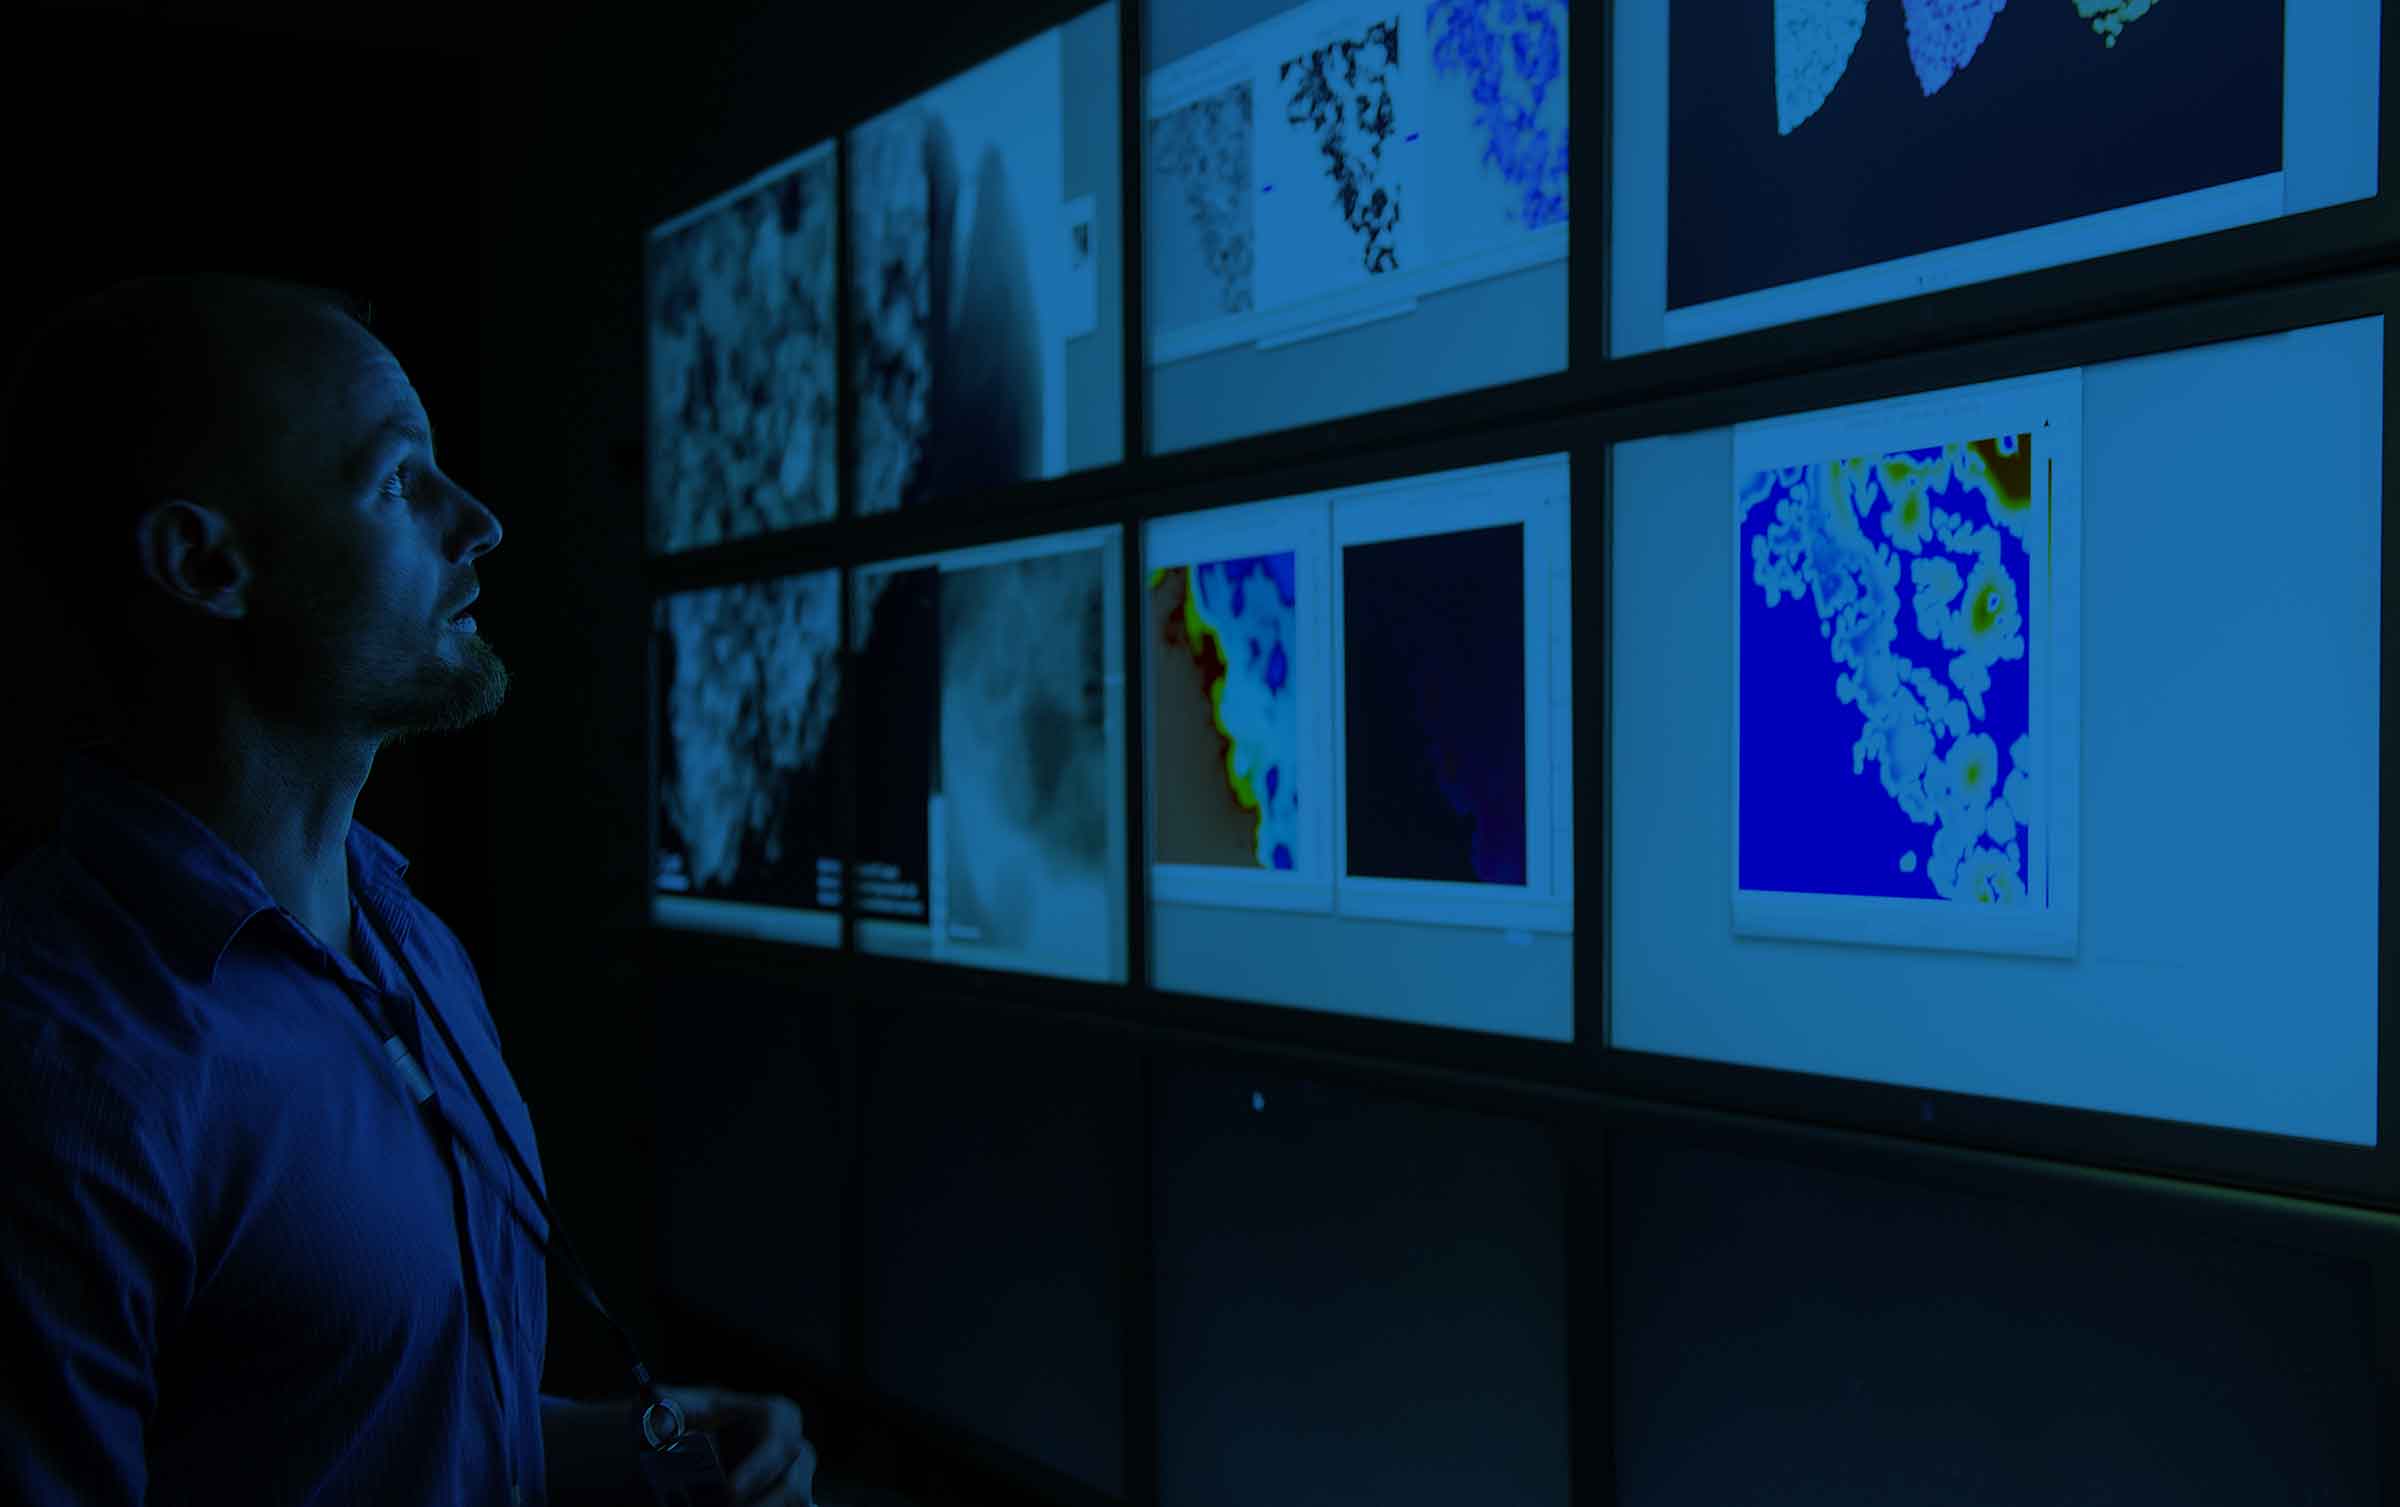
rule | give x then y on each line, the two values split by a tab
1224	712
1886	743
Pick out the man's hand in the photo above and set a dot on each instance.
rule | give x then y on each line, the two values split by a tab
768	1459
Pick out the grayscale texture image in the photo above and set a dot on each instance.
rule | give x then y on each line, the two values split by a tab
1342	94
1024	758
947	363
749	678
1200	155
742	366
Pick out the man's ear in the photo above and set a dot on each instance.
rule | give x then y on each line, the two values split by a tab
185	550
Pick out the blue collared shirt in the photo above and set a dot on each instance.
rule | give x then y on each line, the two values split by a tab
236	1263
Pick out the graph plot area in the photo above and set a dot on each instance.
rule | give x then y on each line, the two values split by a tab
1225	709
1433	749
1884	637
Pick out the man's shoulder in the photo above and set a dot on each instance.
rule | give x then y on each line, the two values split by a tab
82	989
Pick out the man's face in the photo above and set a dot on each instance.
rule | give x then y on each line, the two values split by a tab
360	549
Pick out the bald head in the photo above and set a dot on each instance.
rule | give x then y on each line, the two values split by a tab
152	388
223	473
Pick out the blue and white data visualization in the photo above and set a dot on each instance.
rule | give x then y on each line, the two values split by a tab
1890	148
1906	634
749	680
2019	740
986	274
1360	744
992	756
739	299
1349	205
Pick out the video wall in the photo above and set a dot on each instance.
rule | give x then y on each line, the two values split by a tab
1952	739
2018	740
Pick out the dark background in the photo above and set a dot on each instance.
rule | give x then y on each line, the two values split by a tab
1001	1256
2044	123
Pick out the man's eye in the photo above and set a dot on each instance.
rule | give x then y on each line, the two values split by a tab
395	476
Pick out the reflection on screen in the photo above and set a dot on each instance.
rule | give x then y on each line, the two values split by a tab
740	333
748	680
1359	739
1337	190
991	752
984	274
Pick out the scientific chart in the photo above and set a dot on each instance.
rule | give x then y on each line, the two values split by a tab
1897	147
2017	740
738	298
991	755
1907	628
1337	166
985	274
748	680
1360	743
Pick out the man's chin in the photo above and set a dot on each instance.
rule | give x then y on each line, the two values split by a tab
465	701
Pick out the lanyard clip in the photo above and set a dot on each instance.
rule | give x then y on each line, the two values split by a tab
410	1073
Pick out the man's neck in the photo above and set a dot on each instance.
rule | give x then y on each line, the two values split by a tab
286	814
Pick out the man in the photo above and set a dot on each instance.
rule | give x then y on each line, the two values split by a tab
237	1263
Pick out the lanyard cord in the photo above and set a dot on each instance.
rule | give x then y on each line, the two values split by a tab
656	1433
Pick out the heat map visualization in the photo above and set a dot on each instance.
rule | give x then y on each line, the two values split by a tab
1224	709
1888	738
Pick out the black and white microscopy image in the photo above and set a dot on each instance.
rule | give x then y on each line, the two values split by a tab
892	698
1339	95
749	677
1024	762
956	274
1204	223
742	363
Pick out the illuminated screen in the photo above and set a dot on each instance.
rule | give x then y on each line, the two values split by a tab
986	279
738	295
1359	729
1775	160
2015	740
748	678
992	756
1348	205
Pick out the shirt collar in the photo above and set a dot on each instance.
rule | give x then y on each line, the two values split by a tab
174	874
